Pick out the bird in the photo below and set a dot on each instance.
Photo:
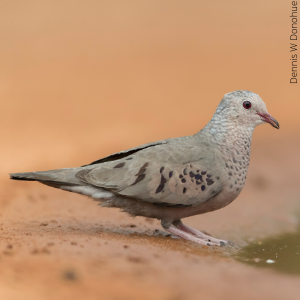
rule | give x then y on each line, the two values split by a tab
174	178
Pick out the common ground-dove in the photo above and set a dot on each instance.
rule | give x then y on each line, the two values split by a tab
174	178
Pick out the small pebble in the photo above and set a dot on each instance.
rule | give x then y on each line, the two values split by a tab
270	261
70	275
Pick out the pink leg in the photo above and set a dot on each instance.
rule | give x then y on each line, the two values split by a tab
176	231
200	234
179	229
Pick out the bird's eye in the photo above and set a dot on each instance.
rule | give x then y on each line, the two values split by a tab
247	104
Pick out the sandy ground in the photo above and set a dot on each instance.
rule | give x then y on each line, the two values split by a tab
58	245
80	80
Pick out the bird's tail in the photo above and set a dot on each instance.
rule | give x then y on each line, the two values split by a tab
54	178
66	180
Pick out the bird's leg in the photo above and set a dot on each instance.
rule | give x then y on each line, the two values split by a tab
173	228
200	234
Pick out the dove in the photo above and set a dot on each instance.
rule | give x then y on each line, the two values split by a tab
174	178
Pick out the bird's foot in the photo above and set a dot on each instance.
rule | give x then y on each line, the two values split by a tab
193	235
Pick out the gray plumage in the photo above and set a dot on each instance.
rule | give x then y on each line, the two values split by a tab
174	178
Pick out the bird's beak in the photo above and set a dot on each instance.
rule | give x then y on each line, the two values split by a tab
269	119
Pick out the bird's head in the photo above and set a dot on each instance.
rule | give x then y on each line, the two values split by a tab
245	108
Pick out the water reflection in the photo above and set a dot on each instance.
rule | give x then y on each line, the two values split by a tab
281	253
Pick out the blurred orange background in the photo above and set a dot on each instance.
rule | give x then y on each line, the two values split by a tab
82	79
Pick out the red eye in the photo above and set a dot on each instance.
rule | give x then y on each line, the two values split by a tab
247	104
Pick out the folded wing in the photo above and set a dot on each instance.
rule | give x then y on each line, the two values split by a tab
164	174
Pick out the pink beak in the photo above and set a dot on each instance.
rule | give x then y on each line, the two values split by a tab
269	119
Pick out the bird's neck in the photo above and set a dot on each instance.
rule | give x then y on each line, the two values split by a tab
233	139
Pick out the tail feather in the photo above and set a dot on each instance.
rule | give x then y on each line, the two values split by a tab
54	178
28	176
66	180
12	176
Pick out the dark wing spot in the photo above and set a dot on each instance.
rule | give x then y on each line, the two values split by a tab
198	182
203	172
184	172
234	160
208	175
120	165
161	169
183	180
209	181
230	173
198	171
139	178
217	177
192	174
202	188
161	186
129	158
180	176
142	169
163	180
198	176
184	190
170	174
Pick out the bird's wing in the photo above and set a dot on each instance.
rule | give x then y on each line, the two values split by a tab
123	154
167	174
